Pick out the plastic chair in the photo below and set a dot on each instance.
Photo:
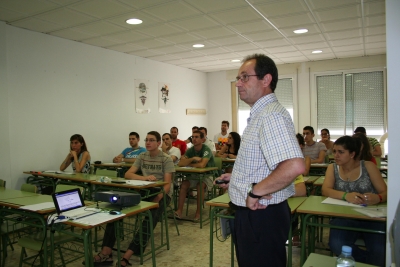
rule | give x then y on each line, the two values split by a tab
29	188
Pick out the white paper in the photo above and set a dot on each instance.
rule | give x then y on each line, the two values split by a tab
138	182
40	206
373	212
340	202
51	171
97	218
187	167
61	172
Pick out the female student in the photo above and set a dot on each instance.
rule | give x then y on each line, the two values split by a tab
365	152
231	148
326	139
359	182
78	155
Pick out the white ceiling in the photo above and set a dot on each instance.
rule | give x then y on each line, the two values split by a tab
229	29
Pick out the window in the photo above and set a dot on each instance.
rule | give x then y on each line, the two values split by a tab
348	100
284	93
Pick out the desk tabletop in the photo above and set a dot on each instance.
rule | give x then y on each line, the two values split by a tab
16	203
80	177
310	179
322	260
195	170
111	164
6	194
320	165
156	184
228	160
313	205
222	201
319	181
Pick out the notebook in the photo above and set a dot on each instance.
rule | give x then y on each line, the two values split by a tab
70	204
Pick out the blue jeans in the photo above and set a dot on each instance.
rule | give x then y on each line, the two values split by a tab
375	243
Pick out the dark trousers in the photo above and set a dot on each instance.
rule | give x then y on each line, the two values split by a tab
260	236
109	234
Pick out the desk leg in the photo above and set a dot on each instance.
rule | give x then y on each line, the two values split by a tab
201	200
117	225
213	210
303	239
153	253
87	243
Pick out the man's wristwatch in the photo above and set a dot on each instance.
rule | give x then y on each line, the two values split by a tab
250	191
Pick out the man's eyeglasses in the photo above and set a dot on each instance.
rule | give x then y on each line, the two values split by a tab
150	140
244	77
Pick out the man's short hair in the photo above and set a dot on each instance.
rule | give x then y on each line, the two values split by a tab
168	135
156	134
309	128
200	133
195	127
175	128
360	130
264	65
135	134
226	122
203	128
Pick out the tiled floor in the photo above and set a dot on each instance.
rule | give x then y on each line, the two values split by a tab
191	248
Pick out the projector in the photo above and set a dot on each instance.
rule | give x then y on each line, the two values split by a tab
122	199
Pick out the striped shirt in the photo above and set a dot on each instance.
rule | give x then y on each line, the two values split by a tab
268	139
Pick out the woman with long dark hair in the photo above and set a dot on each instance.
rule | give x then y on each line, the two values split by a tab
78	155
231	148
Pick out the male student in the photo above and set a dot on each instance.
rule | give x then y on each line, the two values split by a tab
177	142
375	145
130	154
207	141
199	156
167	148
221	138
315	150
155	165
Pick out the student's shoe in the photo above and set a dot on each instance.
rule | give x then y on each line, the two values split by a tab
126	263
103	260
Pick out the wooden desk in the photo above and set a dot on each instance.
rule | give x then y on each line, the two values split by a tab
309	182
113	165
6	194
312	208
201	174
316	260
222	202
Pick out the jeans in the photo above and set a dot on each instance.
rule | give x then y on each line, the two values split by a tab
375	243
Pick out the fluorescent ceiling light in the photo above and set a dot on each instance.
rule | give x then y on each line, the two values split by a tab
300	31
316	51
134	21
235	60
198	45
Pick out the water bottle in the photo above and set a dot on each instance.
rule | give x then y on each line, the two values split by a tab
345	259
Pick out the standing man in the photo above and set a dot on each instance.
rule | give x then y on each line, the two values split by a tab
315	150
130	154
167	148
177	142
198	156
155	166
222	138
207	141
375	145
268	162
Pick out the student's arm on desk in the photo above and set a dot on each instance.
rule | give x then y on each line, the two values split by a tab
167	187
67	161
80	164
118	159
222	153
378	183
131	175
377	151
307	161
321	157
329	183
200	164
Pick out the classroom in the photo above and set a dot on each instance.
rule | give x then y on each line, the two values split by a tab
52	88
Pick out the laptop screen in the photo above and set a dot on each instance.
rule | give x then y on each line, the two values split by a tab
68	200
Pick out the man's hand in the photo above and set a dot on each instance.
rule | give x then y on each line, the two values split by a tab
196	159
164	147
253	204
225	177
117	160
150	178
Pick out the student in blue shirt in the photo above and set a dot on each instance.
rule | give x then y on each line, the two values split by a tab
131	153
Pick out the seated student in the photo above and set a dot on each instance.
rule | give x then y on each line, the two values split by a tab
326	139
307	159
167	148
231	148
221	138
189	140
155	165
375	145
78	155
315	150
358	182
207	141
181	145
365	152
199	156
130	154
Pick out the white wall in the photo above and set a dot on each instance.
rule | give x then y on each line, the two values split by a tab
219	86
56	88
393	69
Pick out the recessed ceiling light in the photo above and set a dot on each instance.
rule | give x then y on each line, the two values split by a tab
316	51
300	31
134	21
235	60
198	45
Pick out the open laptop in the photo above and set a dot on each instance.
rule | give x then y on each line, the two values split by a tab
70	204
